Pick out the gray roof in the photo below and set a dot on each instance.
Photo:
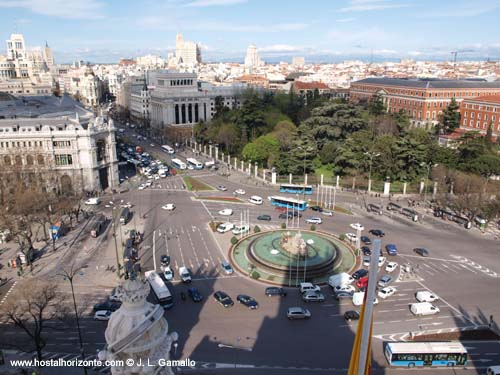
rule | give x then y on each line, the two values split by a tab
431	83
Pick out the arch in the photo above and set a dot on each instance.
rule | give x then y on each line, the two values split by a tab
7	160
40	160
19	160
66	185
101	149
30	160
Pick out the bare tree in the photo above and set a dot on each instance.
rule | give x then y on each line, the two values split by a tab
31	306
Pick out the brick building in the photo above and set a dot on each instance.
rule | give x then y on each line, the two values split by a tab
478	113
424	100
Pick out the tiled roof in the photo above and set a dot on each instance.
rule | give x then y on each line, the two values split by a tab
310	85
430	83
495	99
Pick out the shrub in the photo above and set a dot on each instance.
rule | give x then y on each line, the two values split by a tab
234	240
283	225
342	237
255	275
256	229
313	227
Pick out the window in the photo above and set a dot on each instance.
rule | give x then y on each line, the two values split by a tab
40	160
63	159
465	122
6	160
465	114
472	115
30	160
18	159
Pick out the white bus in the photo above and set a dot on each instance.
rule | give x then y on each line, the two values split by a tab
419	354
178	164
168	149
194	163
160	289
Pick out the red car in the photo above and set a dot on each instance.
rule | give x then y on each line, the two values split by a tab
362	283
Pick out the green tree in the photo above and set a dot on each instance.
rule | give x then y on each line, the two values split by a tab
376	105
262	149
219	107
450	119
488	139
229	135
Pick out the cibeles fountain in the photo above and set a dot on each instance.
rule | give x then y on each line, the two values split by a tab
137	334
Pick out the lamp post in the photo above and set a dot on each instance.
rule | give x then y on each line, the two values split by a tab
428	166
371	155
69	276
116	245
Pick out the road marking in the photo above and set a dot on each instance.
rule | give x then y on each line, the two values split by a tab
395	321
429	258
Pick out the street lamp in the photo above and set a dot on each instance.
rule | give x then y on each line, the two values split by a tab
372	155
116	245
428	166
304	159
69	276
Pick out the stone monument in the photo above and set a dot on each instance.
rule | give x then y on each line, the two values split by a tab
294	245
137	334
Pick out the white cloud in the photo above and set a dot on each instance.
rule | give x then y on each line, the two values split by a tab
349	19
414	53
209	3
280	48
74	9
367	5
384	52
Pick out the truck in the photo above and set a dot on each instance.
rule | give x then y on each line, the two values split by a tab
340	279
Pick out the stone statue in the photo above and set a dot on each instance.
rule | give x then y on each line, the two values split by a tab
137	334
295	245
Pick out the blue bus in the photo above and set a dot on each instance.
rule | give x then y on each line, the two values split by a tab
300	189
291	203
420	354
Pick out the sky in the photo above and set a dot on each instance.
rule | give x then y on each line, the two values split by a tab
319	30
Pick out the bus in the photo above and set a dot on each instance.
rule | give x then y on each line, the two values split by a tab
291	203
300	189
178	164
374	208
448	215
409	213
167	149
411	354
393	207
160	289
194	163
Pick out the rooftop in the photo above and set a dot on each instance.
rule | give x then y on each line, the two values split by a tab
429	83
495	99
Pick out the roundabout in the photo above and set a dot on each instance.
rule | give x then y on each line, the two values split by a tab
291	256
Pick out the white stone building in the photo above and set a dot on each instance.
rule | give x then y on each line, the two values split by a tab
252	59
186	52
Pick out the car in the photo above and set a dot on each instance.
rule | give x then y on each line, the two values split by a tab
228	269
357	226
421	251
195	294
366	250
285	215
248	301
264	217
240	229
240	191
362	283
165	260
327	213
377	232
152	145
168	207
391	266
381	261
359	274
316	208
351	315
297	313
314	220
366	240
190	167
107	305
225	227
391	249
366	260
313	296
305	287
386	292
226	212
275	291
224	299
384	281
142	187
102	315
184	274
343	295
344	288
351	237
93	201
222	188
168	273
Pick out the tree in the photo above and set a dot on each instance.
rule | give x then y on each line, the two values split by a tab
219	107
262	149
31	306
229	136
451	118
376	105
488	139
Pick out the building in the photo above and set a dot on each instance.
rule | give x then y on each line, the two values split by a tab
298	62
252	59
56	144
86	87
481	112
23	63
303	88
186	52
424	100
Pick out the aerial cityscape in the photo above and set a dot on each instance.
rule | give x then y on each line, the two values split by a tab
240	187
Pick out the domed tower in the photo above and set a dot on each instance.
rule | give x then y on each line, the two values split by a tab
137	334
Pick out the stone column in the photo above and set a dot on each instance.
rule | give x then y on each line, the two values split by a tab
264	175
422	187
369	185
387	188
242	166
195	146
249	167
192	113
290	178
273	178
305	179
321	180
235	163
256	170
434	189
210	147
404	188
217	153
205	149
337	183
228	159
186	113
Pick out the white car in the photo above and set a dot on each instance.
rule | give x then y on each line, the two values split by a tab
240	192
168	207
426	296
168	273
93	201
327	213
366	260
190	167
152	145
184	274
381	261
391	266
386	292
148	183
156	177
113	297
226	212
314	220
225	227
351	236
222	188
102	315
344	288
239	229
142	186
357	226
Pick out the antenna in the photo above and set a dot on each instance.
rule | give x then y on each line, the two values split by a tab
454	53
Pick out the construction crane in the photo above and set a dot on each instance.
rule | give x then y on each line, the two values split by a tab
454	53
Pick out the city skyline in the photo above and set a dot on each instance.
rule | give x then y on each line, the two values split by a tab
99	31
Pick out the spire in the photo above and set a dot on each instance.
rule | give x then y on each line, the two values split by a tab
46	44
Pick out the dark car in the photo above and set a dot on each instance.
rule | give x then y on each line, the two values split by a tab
223	299
391	249
165	260
377	232
316	208
351	315
359	274
366	250
248	301
107	306
343	295
366	240
285	215
264	217
275	291
195	294
421	251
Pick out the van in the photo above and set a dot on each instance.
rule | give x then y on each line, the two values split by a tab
98	226
493	370
358	299
340	279
125	215
423	308
93	201
225	227
426	296
306	287
255	199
